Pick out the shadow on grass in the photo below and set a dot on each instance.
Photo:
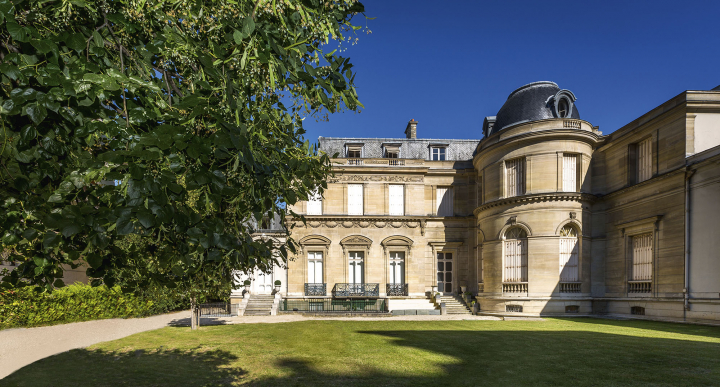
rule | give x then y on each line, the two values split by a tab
204	321
466	354
161	367
515	358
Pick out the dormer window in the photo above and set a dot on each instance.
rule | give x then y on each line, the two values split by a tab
392	152
563	103
437	153
354	151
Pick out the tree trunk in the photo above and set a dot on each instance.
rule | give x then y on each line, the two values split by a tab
194	315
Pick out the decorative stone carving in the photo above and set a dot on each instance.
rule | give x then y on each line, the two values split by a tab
388	178
572	215
366	223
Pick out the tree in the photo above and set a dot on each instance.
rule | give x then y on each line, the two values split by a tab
194	109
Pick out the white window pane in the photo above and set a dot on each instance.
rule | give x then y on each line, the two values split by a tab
355	199
314	204
445	201
397	202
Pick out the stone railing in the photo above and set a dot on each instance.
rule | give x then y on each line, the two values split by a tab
515	287
570	287
379	162
639	286
571	124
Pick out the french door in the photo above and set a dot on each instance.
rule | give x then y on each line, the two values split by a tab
356	269
445	272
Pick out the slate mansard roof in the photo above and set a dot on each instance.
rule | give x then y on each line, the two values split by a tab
409	148
532	102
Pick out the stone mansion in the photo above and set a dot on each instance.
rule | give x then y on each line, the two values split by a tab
544	215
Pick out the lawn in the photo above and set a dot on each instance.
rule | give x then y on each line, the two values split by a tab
577	352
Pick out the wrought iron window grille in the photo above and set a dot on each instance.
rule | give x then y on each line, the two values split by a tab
396	289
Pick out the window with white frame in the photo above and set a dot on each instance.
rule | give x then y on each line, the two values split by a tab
354	151
515	255
569	172
314	204
569	255
437	153
356	269
515	177
397	267
315	267
355	199
444	201
642	257
396	199
644	160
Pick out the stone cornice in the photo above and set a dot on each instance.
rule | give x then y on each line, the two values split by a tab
544	197
372	221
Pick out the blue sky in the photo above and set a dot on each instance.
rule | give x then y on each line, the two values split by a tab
448	64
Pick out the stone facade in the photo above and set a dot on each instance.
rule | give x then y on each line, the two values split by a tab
548	216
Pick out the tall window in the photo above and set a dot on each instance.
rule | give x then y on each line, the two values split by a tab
642	254
515	177
437	153
396	199
315	267
314	204
445	201
569	252
356	270
569	173
355	199
444	272
516	255
644	159
397	267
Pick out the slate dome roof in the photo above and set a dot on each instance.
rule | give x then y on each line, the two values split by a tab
532	102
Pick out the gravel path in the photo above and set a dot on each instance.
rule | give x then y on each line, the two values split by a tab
22	346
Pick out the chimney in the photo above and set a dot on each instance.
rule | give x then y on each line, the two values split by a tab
411	129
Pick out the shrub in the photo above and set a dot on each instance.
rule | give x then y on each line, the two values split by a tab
277	283
246	283
26	307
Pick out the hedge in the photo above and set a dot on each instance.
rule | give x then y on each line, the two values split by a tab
24	307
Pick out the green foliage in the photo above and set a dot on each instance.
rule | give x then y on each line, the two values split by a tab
196	107
278	283
30	306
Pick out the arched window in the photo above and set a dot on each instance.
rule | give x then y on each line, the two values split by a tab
569	254
563	108
515	255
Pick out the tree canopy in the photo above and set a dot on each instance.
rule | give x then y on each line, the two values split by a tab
139	136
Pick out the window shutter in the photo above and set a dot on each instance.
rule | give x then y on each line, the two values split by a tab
642	257
644	150
355	199
445	201
515	175
397	202
569	173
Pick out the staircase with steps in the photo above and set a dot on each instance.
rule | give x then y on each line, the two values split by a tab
259	305
453	304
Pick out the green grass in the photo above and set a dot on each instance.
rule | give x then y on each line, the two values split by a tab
579	352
